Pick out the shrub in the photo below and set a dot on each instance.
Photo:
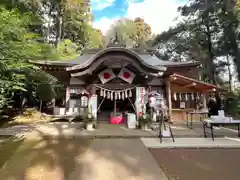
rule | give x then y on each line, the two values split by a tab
232	104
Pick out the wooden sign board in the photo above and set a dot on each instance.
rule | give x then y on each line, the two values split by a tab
182	105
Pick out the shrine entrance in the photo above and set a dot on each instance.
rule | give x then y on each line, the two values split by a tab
116	107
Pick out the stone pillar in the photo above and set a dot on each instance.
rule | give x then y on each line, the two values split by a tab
169	98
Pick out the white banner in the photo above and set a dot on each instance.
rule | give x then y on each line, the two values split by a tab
126	75
106	75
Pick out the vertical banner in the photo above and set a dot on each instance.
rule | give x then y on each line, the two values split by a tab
67	94
140	93
92	104
67	97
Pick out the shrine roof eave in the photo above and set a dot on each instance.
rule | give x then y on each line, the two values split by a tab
51	63
193	83
120	50
183	64
66	64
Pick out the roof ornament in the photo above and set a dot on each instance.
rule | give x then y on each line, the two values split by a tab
114	42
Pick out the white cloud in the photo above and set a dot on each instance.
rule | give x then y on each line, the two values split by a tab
104	24
101	4
159	14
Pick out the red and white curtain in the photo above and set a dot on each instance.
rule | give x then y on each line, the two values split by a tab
106	75
126	75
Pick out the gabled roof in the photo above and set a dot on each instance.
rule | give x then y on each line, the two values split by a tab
190	82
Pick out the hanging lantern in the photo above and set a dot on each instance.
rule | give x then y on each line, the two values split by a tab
104	93
130	93
192	96
123	97
126	94
101	92
180	96
108	95
111	95
175	96
198	96
186	96
116	95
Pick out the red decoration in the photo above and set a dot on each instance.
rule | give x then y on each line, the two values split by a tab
126	75
140	114
106	75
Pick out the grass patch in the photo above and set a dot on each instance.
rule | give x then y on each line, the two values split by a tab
41	158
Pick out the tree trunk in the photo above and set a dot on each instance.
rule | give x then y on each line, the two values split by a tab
212	71
59	19
210	63
229	74
59	31
231	35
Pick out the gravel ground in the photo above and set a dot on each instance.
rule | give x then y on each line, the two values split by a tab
199	164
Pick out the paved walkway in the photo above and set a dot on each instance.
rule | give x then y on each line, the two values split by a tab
118	159
192	143
17	130
107	130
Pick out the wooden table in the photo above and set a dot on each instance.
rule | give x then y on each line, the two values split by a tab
202	114
207	123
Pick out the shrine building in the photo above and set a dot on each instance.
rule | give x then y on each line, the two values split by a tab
117	79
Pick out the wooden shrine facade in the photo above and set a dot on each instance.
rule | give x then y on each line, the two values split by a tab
82	76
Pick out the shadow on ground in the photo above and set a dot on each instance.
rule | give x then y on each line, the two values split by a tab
65	158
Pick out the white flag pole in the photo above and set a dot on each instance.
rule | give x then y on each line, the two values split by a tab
115	108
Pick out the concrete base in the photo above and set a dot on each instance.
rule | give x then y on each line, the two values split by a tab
191	143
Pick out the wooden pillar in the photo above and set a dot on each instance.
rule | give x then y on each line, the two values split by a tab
169	98
204	101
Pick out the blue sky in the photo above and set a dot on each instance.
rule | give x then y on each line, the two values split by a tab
160	14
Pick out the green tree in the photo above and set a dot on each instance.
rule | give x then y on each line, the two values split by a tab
76	22
17	44
130	33
95	39
199	37
33	8
143	31
229	21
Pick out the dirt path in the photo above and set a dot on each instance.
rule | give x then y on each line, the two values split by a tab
199	164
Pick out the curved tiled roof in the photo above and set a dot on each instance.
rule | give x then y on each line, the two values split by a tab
120	50
89	56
